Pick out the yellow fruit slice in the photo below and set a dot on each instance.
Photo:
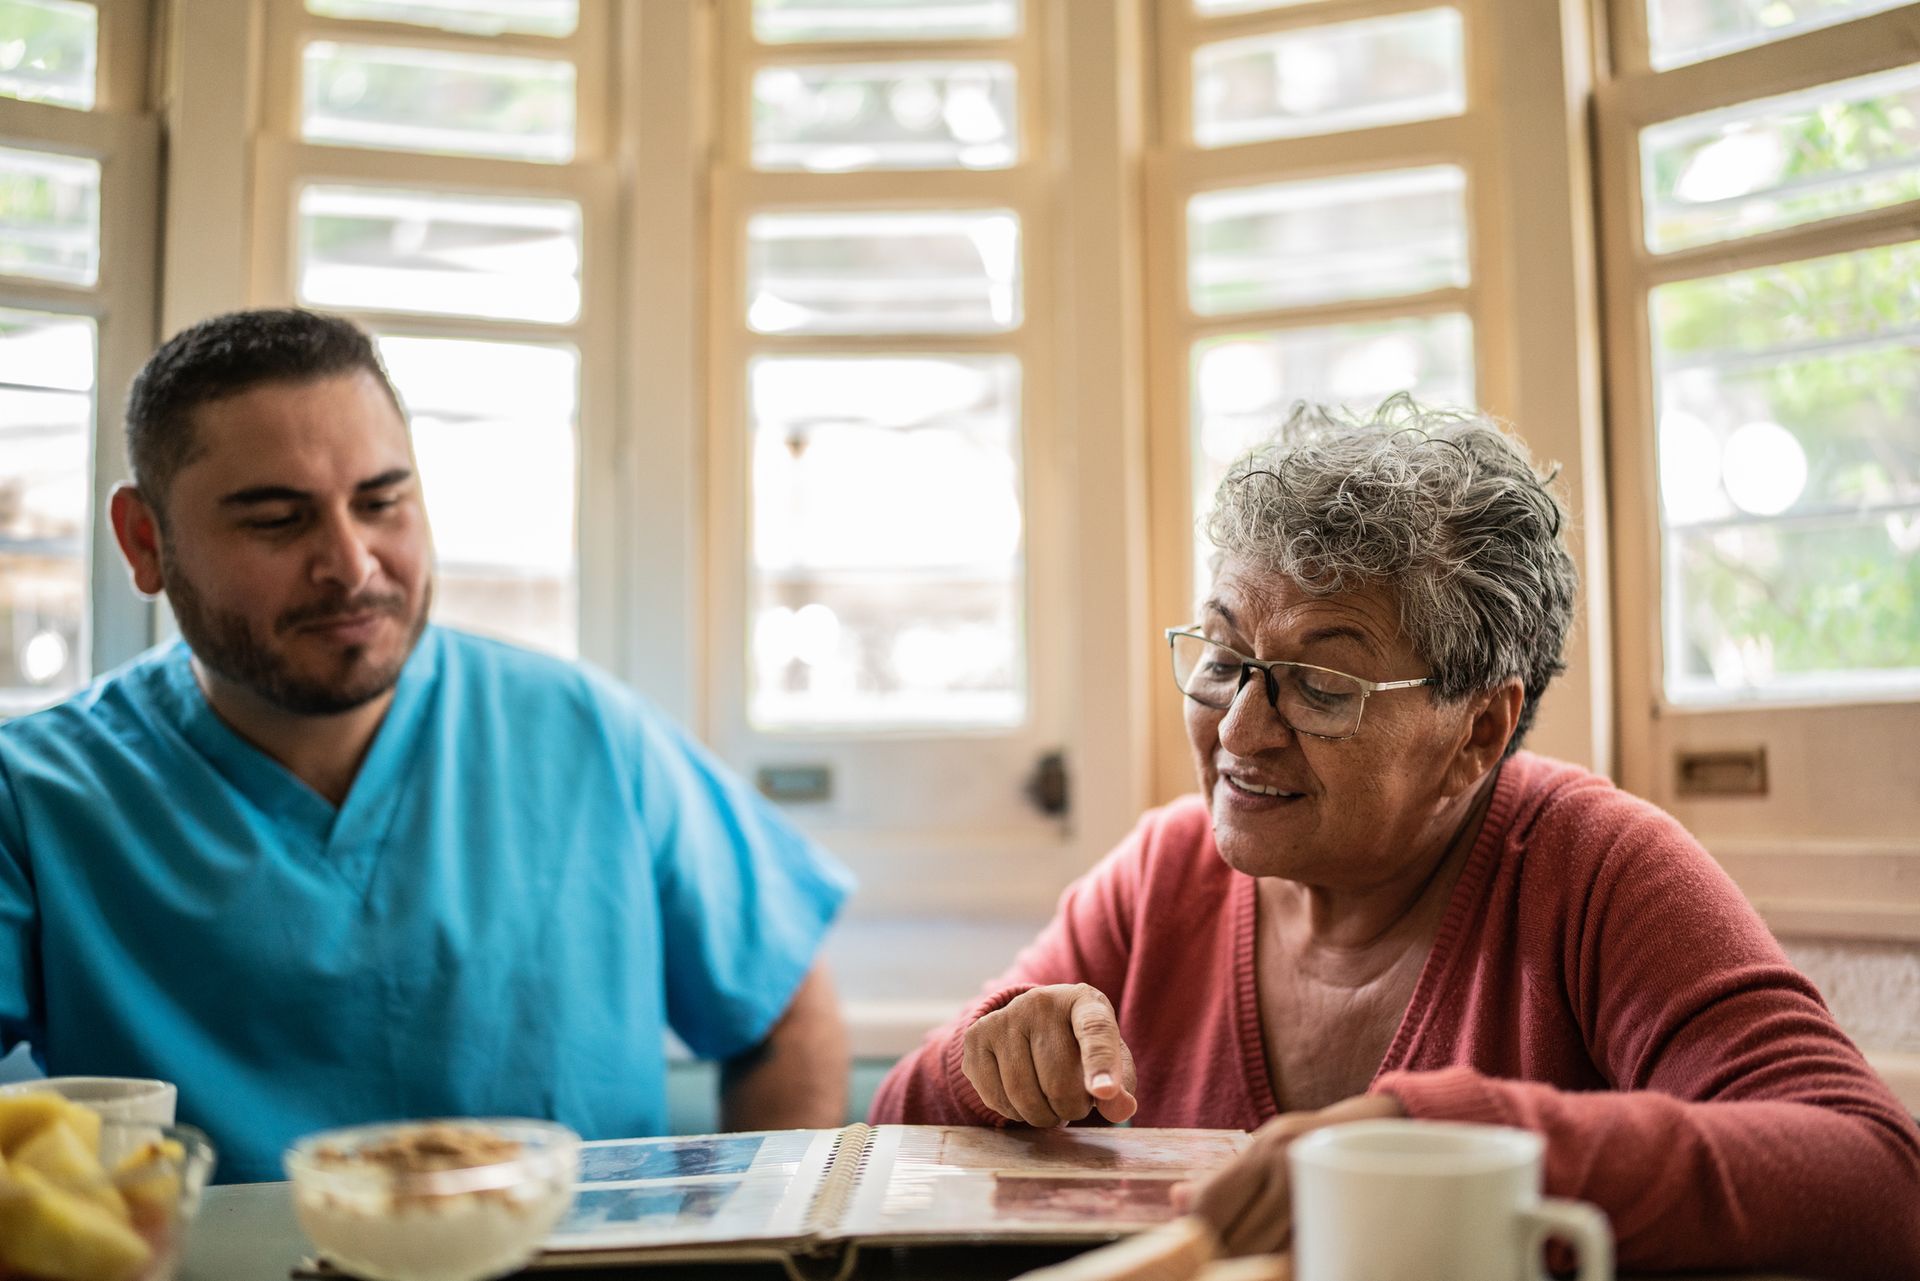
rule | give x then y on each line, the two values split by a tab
52	1234
149	1178
68	1162
24	1115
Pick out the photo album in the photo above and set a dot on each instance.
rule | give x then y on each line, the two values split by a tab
810	1198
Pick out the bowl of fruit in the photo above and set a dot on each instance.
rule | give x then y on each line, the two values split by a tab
82	1199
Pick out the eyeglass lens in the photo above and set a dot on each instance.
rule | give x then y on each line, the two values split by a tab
1309	699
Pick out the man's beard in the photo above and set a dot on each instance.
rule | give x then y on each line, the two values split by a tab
231	648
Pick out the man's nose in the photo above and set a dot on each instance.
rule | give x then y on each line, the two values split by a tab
343	555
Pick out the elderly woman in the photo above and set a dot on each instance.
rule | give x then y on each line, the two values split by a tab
1378	906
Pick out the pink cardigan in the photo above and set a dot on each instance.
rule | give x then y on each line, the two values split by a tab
1596	978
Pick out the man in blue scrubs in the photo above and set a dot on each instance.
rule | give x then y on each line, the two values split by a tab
322	862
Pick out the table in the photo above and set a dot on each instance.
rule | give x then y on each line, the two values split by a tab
247	1232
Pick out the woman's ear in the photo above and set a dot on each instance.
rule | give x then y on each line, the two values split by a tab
137	529
1495	714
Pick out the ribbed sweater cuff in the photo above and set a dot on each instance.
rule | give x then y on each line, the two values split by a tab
958	1086
1445	1094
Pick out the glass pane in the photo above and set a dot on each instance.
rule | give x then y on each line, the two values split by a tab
1244	385
1350	75
392	250
1212	8
428	100
1789	450
883	272
780	21
494	429
1682	31
897	115
475	17
49	216
1295	243
1784	161
48	50
46	449
887	534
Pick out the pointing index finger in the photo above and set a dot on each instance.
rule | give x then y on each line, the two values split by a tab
1098	1033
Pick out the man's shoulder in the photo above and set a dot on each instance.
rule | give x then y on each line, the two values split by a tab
532	689
103	711
471	660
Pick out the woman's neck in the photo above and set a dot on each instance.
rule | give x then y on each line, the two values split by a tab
1358	929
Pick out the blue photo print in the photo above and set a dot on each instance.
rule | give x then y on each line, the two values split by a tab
683	1205
669	1159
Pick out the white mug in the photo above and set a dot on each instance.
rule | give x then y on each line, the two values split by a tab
130	1104
1431	1201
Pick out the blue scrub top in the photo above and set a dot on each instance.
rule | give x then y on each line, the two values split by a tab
534	874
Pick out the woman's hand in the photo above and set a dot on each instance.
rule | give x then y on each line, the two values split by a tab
1250	1203
1051	1055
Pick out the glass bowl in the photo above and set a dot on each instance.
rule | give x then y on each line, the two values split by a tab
127	1224
443	1200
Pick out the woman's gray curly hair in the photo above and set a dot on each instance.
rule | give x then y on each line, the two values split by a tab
1440	507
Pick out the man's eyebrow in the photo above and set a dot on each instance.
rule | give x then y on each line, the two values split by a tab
385	480
287	494
264	494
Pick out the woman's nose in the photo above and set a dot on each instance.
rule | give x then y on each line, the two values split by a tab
1252	723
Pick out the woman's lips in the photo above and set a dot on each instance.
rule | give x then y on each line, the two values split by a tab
1253	793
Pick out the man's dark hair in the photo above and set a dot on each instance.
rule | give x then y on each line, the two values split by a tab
223	357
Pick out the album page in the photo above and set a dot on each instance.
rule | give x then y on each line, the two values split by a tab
958	1183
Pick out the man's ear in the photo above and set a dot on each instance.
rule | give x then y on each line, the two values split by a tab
137	529
1495	714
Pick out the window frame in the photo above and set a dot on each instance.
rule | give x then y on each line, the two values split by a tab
1828	851
1541	375
282	165
857	821
124	136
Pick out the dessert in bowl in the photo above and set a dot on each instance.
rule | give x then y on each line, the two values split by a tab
67	1214
449	1200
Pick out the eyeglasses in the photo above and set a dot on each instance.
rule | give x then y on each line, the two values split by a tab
1316	701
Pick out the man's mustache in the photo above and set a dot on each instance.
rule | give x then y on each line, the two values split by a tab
332	611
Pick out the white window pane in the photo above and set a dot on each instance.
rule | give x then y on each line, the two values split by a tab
1213	8
432	100
897	115
49	216
1348	75
1789	452
1245	385
494	426
884	272
48	51
1682	31
1783	161
1296	243
390	250
473	17
779	21
46	450
887	542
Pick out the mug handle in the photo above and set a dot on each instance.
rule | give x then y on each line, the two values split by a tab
1576	1222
